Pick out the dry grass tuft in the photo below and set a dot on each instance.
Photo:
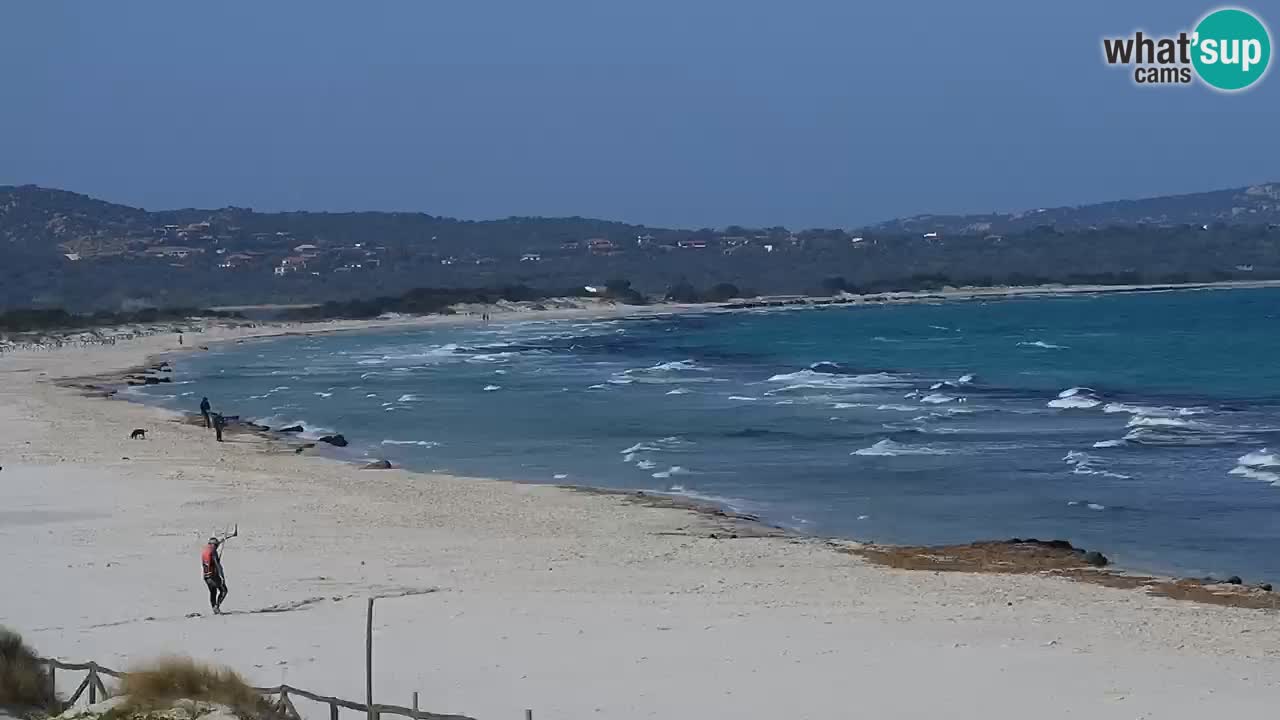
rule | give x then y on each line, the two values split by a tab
173	678
24	681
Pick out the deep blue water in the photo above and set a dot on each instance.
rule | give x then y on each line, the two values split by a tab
907	423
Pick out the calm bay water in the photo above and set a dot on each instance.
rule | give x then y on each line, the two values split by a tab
1147	426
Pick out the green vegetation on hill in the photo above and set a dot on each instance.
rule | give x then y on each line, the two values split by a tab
60	249
44	319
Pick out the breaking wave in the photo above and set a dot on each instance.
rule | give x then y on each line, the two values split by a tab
419	443
889	448
1257	465
1077	398
807	378
1085	464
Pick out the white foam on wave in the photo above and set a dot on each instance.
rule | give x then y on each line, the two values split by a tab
673	470
1076	398
1085	464
419	443
1260	458
889	448
492	357
743	398
309	431
666	373
372	361
559	476
1251	465
804	379
646	464
1150	421
491	388
661	444
323	394
733	504
438	352
677	391
938	398
408	397
1256	474
1174	436
1042	345
676	366
897	408
1152	411
965	379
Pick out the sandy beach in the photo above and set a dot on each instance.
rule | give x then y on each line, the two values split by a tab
498	596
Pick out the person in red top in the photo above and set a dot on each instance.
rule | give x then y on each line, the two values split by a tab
213	575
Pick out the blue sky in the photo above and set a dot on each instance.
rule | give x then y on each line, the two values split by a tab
805	113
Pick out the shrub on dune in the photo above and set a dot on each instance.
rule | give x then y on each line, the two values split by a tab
166	680
24	681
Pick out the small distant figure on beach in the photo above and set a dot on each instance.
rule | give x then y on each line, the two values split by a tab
204	410
219	423
214	578
179	338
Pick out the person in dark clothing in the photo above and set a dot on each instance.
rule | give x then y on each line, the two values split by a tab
214	578
218	423
204	410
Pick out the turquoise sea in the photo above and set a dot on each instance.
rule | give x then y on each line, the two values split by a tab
1143	425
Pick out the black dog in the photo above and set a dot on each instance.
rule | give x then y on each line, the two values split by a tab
138	434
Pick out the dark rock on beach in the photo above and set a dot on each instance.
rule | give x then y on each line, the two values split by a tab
378	465
1096	559
291	429
1234	580
334	440
1050	544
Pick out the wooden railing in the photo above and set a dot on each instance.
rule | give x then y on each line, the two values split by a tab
97	691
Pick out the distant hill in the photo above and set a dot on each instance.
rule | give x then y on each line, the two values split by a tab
63	249
1253	205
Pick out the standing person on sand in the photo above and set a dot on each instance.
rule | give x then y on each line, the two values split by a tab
218	423
214	578
204	410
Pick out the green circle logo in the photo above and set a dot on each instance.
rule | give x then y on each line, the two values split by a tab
1232	49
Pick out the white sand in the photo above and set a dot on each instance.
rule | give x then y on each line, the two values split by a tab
575	605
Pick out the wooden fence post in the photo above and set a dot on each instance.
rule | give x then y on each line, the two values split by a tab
53	682
528	714
368	660
93	683
333	711
415	705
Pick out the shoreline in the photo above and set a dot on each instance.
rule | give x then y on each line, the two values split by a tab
566	308
1057	557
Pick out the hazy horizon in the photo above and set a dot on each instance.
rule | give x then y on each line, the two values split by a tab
750	113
